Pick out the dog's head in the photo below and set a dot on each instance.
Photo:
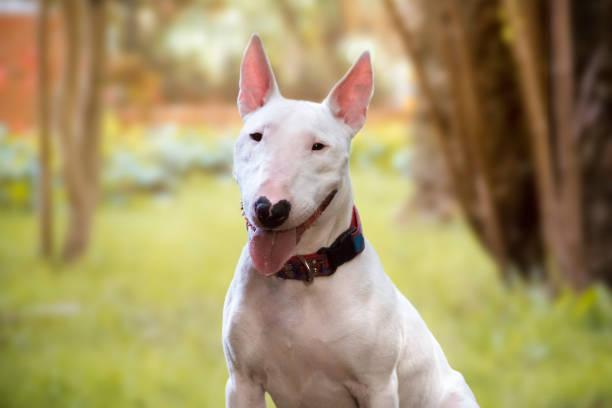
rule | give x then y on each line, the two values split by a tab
292	156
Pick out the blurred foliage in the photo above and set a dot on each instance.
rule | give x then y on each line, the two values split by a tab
154	159
191	50
135	159
131	325
18	170
384	145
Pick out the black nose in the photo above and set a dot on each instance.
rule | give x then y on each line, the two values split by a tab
271	216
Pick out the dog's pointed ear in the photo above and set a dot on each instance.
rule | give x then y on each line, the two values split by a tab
349	98
257	83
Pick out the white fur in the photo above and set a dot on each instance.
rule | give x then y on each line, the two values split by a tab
348	340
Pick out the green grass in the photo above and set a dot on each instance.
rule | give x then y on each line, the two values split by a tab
137	322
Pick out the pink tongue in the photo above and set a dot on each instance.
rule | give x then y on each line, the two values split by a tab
270	249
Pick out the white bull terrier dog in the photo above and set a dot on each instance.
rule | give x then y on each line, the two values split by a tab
310	316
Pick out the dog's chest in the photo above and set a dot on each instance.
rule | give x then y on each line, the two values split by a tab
299	344
302	372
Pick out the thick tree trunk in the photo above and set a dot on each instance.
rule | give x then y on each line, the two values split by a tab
534	165
483	138
45	203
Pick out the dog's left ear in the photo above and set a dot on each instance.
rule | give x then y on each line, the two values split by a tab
349	99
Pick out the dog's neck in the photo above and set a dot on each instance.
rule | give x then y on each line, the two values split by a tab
332	222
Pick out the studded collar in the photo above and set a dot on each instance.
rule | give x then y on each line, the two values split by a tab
326	260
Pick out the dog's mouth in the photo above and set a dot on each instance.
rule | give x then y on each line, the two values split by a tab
270	249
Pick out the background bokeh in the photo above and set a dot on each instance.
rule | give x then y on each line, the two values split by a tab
134	318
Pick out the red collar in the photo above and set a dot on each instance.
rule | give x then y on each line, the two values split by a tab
326	260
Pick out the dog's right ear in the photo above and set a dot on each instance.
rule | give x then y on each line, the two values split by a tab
257	83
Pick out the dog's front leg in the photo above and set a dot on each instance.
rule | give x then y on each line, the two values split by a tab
241	392
381	395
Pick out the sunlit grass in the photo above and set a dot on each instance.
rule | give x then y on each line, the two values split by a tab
138	321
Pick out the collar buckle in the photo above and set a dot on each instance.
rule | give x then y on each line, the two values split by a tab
312	269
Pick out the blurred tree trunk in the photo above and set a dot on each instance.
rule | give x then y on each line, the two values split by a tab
558	155
131	30
475	113
45	203
292	63
592	127
468	99
522	19
92	128
569	191
430	108
84	36
320	41
69	123
532	176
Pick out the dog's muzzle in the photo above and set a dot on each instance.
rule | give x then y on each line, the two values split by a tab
300	229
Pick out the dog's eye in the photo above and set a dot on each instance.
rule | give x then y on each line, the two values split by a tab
318	146
256	136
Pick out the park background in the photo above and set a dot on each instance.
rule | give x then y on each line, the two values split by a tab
120	222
